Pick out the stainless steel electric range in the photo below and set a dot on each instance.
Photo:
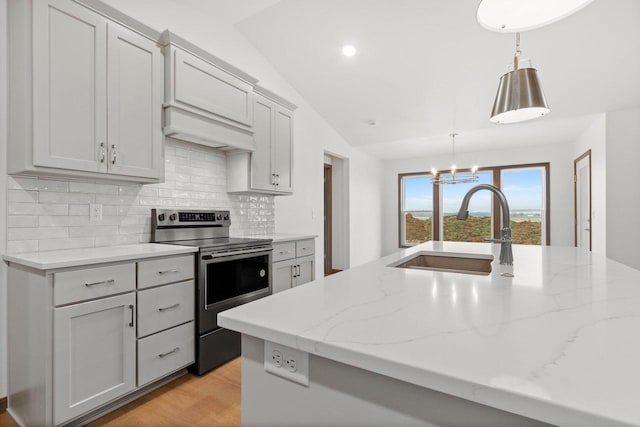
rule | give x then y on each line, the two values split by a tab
230	271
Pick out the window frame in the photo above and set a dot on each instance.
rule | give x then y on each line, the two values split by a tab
496	180
401	211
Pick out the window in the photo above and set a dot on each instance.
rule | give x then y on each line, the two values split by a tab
478	226
428	212
524	189
416	209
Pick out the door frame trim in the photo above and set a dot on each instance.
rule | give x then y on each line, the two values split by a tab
575	199
328	220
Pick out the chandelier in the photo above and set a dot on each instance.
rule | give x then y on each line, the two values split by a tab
453	177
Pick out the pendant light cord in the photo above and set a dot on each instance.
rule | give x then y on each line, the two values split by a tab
516	56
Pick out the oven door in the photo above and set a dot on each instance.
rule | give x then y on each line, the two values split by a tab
231	278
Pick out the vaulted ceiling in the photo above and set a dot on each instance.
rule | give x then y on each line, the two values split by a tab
426	67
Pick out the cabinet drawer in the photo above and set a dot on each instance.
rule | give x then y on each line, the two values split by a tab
163	307
282	251
165	270
305	247
165	352
88	283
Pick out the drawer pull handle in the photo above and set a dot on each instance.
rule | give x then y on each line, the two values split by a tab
169	308
132	315
103	282
168	271
169	352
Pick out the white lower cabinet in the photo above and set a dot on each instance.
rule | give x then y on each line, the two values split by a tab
165	352
87	337
293	264
94	354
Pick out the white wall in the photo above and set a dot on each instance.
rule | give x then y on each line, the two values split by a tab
594	138
623	192
560	157
3	206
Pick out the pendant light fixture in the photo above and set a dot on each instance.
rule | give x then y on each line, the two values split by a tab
520	97
454	177
510	16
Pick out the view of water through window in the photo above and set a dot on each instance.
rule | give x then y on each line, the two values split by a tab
523	187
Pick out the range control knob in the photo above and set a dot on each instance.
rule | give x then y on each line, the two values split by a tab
226	217
173	217
161	217
219	217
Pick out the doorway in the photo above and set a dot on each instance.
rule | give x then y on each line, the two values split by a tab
336	213
328	220
582	201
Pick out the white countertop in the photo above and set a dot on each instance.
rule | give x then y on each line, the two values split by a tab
558	342
279	237
50	260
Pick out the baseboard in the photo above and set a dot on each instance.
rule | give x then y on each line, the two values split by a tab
3	404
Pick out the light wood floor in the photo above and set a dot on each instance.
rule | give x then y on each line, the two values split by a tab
211	400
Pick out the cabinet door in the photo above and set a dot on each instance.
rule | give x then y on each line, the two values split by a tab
283	275
283	153
306	267
69	86
94	358
135	78
262	177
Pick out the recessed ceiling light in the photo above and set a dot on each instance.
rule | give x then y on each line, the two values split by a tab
349	50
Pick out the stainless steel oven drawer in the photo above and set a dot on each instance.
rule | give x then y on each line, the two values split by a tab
165	352
165	270
164	307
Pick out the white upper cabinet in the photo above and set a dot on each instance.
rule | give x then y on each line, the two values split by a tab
262	175
69	86
135	79
207	101
268	169
88	93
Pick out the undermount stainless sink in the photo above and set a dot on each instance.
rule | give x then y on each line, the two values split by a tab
448	261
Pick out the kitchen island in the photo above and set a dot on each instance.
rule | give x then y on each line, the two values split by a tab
557	344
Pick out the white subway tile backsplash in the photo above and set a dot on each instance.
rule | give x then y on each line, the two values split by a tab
67	198
50	214
66	243
90	187
23	196
115	200
23	221
36	233
120	239
94	230
15	246
18	208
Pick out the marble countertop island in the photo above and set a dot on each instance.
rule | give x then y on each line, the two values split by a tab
558	342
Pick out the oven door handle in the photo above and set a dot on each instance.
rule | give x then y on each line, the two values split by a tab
235	252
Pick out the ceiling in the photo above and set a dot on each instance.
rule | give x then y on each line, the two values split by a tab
426	67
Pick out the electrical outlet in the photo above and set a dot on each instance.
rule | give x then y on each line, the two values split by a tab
95	212
276	358
291	364
286	362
